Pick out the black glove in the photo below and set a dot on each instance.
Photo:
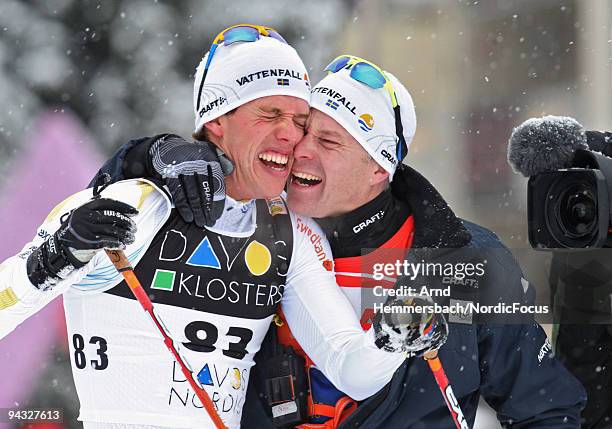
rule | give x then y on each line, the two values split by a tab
193	172
97	224
412	333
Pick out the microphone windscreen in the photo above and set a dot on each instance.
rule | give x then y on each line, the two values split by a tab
545	144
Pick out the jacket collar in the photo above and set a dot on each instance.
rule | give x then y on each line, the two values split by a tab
435	224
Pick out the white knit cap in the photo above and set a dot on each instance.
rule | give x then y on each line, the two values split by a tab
367	113
243	71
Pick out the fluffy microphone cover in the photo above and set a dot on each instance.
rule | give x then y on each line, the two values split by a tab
545	144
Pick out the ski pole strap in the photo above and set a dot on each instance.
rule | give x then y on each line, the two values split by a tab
123	265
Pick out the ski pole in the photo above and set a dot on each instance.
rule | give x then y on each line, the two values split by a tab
447	391
123	266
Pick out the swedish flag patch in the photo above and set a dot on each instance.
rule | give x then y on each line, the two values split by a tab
331	103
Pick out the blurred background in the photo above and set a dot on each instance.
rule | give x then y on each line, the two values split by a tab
78	78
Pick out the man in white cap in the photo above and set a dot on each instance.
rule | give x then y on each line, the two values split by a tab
348	173
216	289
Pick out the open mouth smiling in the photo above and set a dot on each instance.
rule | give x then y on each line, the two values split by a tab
305	179
274	160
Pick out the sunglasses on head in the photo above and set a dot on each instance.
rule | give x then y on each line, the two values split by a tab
233	34
373	76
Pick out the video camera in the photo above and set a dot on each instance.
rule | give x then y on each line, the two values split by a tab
569	193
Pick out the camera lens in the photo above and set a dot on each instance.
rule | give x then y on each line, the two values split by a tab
570	208
576	210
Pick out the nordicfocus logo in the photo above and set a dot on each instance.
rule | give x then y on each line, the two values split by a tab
388	157
213	104
278	73
361	225
335	95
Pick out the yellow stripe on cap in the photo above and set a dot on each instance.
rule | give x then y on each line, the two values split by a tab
7	298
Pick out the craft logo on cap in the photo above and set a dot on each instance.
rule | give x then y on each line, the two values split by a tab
387	155
366	122
215	103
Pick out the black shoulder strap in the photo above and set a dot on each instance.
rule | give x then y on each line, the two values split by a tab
273	214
